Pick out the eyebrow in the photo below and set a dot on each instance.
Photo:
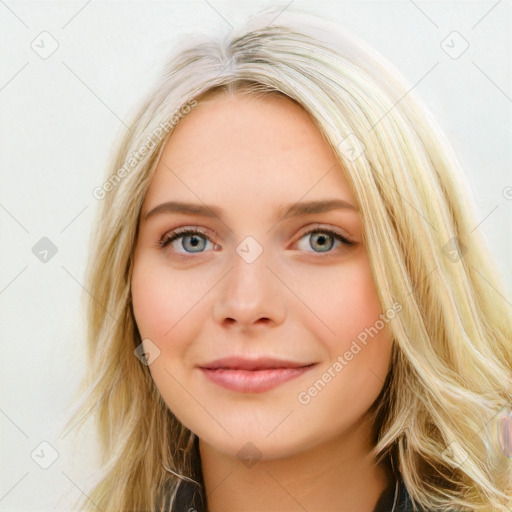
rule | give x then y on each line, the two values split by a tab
284	212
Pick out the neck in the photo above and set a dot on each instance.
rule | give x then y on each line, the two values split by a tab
337	474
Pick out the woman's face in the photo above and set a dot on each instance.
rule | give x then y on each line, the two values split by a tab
255	283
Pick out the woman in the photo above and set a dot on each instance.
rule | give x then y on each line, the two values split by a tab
289	308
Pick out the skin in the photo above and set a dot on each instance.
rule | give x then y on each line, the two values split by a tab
296	301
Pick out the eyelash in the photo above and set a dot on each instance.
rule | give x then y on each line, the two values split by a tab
171	236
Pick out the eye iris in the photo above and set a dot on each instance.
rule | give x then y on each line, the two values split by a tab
195	242
315	237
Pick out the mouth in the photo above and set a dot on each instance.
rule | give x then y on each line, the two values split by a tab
253	375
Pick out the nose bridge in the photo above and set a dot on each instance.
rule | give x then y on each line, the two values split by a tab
250	272
250	290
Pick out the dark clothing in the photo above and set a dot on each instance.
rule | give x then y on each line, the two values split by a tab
190	499
387	498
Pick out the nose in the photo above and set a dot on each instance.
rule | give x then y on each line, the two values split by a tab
250	296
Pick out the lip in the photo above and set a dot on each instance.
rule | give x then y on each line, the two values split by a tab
253	375
260	363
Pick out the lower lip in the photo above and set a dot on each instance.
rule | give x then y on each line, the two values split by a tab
253	381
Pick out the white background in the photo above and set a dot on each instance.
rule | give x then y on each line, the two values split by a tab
60	116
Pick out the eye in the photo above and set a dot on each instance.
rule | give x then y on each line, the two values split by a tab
192	240
323	239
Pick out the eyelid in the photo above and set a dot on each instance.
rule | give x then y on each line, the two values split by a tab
169	236
329	229
182	230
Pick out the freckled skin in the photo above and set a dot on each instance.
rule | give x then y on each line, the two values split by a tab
250	156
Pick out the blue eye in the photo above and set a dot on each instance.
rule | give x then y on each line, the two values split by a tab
192	239
325	243
195	242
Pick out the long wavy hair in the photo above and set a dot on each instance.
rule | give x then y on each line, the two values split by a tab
451	372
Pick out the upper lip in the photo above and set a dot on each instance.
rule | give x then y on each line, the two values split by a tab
261	363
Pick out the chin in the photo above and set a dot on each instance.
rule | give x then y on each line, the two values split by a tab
253	443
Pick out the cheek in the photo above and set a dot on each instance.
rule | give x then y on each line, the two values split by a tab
350	307
163	304
345	300
358	301
162	299
358	349
151	302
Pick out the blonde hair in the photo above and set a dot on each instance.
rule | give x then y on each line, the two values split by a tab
450	374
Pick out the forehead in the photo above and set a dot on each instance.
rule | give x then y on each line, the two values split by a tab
255	148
